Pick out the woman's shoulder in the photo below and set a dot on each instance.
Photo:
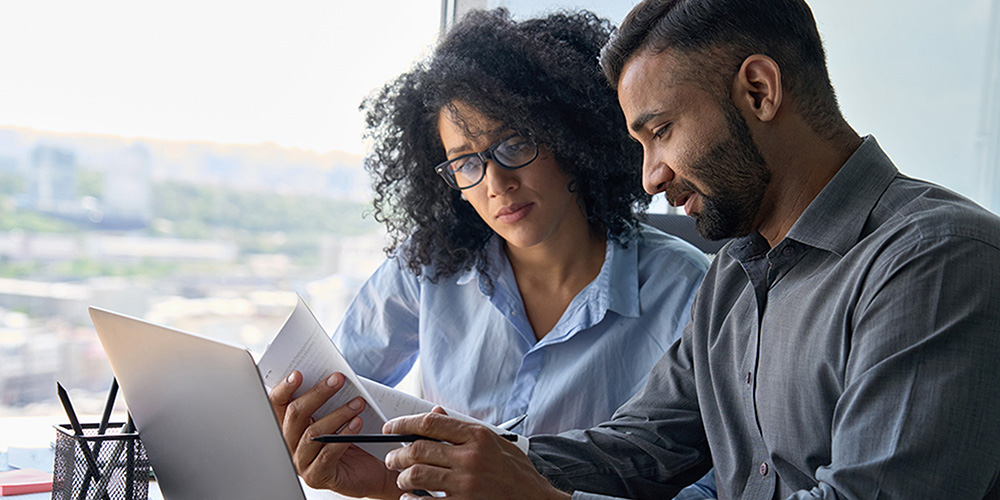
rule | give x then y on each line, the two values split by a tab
657	247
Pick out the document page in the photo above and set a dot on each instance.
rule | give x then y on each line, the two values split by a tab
303	345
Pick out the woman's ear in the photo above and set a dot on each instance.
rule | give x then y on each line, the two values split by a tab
757	89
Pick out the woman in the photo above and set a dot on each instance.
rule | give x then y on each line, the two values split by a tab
518	271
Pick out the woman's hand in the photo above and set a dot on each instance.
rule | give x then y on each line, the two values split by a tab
341	467
472	462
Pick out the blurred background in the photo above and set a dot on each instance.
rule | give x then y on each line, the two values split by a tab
198	164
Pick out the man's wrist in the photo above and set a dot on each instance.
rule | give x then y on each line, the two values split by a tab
389	489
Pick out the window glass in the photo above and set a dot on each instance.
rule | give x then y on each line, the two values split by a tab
923	78
197	164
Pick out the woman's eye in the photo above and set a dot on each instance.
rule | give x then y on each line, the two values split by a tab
458	166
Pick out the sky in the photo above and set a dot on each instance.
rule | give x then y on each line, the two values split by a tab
290	72
293	73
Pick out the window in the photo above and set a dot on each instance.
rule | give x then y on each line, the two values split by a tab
196	164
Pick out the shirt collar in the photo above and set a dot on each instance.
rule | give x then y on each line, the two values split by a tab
616	287
835	218
621	270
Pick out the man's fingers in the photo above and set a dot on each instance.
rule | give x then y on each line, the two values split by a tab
281	394
343	420
313	459
302	407
297	414
424	477
421	452
432	425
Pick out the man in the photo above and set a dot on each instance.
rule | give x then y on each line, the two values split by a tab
842	346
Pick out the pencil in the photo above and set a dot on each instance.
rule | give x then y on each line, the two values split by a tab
384	438
88	454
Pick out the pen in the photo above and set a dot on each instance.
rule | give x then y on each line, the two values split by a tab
384	438
88	454
514	422
105	418
102	486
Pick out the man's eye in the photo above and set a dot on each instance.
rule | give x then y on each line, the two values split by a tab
659	133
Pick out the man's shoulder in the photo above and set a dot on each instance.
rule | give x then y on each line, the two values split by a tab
920	210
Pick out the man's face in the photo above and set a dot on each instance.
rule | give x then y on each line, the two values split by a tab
696	151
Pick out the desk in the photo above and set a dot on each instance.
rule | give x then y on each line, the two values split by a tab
154	494
32	436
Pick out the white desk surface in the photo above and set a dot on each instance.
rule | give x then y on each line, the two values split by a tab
29	433
154	494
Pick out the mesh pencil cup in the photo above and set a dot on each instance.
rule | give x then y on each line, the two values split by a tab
122	469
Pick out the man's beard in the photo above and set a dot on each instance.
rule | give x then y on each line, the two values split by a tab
736	174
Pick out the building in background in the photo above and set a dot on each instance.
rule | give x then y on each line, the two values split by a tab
53	180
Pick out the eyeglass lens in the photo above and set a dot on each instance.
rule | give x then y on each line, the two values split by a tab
514	152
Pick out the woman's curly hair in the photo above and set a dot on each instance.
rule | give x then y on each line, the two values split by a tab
537	77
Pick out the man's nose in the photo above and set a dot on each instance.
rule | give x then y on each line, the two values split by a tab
656	174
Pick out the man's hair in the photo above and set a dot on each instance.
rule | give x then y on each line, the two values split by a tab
538	77
714	37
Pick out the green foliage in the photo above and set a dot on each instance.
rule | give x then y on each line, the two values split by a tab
12	183
19	269
82	268
90	183
195	208
31	221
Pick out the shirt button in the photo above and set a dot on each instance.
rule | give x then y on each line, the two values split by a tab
788	251
763	469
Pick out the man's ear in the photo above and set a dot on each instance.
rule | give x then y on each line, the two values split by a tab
757	87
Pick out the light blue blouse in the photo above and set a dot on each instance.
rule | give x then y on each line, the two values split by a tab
478	351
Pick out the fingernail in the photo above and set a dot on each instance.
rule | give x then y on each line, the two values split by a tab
291	378
356	404
333	380
355	424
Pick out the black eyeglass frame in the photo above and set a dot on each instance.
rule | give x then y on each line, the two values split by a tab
484	156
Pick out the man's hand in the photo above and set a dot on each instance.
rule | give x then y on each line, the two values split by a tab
473	463
344	468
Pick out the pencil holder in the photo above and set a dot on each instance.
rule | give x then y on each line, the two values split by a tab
116	468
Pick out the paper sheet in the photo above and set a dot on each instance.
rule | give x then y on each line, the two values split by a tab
303	345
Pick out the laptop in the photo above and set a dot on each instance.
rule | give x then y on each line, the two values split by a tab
201	411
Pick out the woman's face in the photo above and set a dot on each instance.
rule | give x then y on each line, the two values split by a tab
527	206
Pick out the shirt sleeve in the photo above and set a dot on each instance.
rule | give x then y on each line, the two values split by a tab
918	416
380	332
654	446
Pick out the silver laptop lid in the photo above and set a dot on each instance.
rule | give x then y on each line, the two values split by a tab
201	410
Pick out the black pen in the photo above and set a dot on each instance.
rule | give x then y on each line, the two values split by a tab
384	438
103	427
88	454
512	423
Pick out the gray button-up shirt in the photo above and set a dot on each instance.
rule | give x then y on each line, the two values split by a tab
857	359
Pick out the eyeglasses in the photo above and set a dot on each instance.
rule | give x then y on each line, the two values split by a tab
468	170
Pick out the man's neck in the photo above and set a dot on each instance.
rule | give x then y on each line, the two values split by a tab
799	173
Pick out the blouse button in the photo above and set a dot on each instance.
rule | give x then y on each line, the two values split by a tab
763	469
